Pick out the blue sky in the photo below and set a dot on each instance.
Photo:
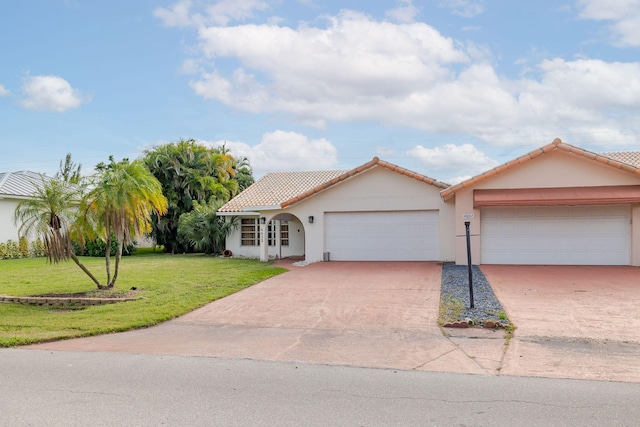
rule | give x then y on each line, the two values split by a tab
448	88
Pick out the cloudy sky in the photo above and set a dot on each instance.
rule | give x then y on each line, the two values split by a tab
447	88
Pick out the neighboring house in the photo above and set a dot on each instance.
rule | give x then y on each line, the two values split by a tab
14	187
559	204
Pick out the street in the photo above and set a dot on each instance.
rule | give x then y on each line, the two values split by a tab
53	388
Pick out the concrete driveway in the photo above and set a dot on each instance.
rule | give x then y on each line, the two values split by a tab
572	321
373	314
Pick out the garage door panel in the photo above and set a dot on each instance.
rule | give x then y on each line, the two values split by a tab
382	236
577	235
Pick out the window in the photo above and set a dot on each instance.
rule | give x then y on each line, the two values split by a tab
250	232
271	234
284	233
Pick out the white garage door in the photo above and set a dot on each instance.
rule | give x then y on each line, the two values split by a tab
382	236
563	235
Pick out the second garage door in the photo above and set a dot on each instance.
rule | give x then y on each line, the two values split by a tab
564	235
382	236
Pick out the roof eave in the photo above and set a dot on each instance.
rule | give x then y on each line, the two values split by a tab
261	208
236	213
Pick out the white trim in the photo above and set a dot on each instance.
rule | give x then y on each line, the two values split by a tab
238	213
261	208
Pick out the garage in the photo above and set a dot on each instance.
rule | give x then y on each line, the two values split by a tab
382	236
560	235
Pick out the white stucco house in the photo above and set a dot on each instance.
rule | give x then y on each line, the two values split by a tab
559	204
14	187
375	212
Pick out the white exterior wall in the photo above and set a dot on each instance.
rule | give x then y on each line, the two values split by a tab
377	189
295	248
8	231
551	170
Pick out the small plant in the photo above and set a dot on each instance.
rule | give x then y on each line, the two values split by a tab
98	247
12	250
23	247
37	249
451	309
502	315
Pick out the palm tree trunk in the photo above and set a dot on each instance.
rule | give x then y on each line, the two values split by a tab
85	269
117	267
107	253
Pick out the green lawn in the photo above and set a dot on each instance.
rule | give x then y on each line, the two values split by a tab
170	285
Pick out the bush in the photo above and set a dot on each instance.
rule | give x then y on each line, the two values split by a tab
98	248
23	247
37	249
10	250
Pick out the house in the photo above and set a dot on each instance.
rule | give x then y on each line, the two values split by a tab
559	204
375	212
14	187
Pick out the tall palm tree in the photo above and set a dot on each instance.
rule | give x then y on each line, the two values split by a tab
123	197
188	171
51	214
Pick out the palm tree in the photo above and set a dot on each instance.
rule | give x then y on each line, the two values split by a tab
51	214
188	171
123	197
203	230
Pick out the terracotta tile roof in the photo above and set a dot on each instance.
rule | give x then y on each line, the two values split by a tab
19	184
630	157
557	144
287	188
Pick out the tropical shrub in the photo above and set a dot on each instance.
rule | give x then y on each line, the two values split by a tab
10	250
23	247
37	249
97	247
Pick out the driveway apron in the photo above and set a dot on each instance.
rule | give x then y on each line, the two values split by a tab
572	321
373	314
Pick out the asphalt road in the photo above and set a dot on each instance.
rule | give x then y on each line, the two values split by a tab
45	388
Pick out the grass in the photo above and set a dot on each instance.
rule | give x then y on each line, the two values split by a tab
450	310
170	285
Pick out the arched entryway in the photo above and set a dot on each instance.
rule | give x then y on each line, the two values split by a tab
283	237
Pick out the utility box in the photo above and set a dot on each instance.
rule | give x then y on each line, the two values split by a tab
326	256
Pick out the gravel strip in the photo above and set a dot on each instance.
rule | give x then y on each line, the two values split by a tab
455	290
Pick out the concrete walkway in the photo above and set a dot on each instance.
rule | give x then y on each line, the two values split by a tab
381	315
578	322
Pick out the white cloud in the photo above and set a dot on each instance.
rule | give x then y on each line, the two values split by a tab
50	93
178	16
222	12
282	151
4	91
465	159
346	71
405	12
225	11
355	68
623	15
464	8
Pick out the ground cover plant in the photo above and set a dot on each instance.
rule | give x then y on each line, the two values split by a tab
167	285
